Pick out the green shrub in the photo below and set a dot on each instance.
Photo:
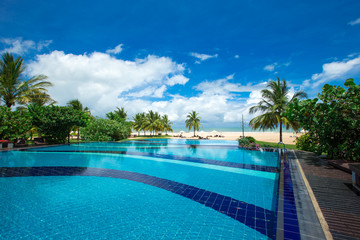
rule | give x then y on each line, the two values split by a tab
55	122
14	125
246	141
105	130
332	121
304	142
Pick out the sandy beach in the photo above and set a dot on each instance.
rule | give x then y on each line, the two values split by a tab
288	138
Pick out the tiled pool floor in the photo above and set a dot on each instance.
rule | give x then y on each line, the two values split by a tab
296	216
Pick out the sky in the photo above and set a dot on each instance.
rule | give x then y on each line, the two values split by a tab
173	57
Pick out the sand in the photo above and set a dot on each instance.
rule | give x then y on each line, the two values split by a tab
288	138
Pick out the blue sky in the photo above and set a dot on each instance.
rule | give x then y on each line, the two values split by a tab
176	56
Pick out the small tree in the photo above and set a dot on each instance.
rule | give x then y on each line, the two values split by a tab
14	125
333	123
56	122
105	130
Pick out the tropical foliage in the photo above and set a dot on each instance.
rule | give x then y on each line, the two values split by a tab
138	122
77	105
118	115
105	130
166	124
14	88
247	142
14	124
274	103
151	121
331	121
55	122
193	121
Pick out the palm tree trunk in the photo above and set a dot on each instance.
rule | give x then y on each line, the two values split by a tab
194	132
78	134
280	130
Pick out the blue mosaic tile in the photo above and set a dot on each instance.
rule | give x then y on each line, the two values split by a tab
178	158
252	216
291	224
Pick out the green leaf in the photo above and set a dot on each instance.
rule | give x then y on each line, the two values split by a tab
349	82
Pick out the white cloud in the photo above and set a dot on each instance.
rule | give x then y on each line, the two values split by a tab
99	80
103	82
202	57
276	65
355	22
149	92
336	70
236	56
19	46
116	50
305	83
177	79
159	93
270	67
254	97
223	86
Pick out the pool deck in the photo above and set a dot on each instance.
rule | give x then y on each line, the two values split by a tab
339	204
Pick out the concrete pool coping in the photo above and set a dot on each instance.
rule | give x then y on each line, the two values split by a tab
312	223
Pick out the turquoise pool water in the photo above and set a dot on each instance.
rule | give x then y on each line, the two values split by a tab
139	190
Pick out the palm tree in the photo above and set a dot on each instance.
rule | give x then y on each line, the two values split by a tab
118	114
152	122
13	87
274	103
77	105
138	123
166	124
193	121
40	99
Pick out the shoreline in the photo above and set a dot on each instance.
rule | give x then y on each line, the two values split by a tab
288	137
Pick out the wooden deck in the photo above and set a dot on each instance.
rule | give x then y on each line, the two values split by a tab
339	203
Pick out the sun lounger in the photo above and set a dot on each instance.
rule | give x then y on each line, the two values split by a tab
20	143
39	141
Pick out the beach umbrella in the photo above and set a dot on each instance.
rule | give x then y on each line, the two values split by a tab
182	132
214	132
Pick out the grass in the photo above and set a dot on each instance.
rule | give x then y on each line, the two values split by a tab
148	137
274	145
261	143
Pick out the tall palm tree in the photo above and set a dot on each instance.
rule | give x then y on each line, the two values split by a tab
152	122
13	87
77	105
138	122
274	103
166	124
193	121
39	98
118	114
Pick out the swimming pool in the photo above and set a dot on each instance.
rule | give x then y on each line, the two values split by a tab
158	189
